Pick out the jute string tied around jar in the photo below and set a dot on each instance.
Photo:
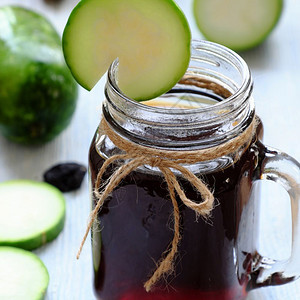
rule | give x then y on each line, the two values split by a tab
136	155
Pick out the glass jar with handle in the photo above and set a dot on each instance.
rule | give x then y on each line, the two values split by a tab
174	182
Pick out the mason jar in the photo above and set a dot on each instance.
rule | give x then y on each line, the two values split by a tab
200	142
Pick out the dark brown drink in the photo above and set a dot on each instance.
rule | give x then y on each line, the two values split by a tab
217	258
137	227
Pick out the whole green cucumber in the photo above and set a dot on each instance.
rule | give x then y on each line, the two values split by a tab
38	94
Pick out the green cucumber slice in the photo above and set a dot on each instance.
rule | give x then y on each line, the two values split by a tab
23	276
31	213
151	39
237	24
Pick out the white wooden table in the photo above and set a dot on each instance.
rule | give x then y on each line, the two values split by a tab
276	71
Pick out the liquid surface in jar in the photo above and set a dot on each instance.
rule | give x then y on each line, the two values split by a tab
137	227
185	101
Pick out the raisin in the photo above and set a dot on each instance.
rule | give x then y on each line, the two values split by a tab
65	176
52	1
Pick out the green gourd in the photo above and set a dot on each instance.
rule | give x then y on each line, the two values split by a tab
38	94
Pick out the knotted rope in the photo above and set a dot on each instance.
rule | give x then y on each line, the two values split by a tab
165	160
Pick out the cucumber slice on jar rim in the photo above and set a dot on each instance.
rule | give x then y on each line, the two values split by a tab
23	276
151	39
237	24
31	213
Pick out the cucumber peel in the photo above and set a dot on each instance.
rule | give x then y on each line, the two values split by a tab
23	276
151	39
38	93
237	24
31	213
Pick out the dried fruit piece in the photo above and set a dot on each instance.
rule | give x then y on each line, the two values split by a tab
52	1
66	176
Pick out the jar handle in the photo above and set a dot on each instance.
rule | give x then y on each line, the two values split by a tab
271	218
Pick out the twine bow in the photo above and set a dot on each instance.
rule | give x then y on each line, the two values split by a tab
136	155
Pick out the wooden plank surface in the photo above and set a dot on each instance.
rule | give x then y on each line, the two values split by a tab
275	68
